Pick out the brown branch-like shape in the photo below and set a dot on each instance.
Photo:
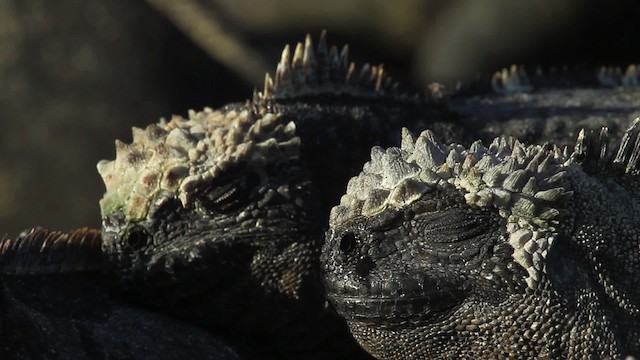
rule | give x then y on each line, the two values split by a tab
40	251
202	27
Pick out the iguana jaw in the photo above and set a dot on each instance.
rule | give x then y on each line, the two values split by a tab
412	299
393	311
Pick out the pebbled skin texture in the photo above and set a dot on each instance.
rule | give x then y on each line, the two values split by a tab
464	259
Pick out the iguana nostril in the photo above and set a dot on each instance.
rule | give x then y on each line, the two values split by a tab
348	243
364	266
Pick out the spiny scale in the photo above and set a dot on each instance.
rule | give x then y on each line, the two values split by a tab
172	158
512	80
628	152
506	165
614	77
40	251
592	151
323	72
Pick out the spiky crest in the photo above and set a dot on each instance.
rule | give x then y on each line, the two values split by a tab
324	71
613	76
512	80
628	151
40	251
517	80
592	150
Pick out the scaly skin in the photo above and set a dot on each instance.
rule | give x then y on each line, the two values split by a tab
219	219
509	251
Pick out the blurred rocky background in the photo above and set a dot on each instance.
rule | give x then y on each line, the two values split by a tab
77	74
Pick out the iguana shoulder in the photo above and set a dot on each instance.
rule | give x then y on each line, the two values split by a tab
56	305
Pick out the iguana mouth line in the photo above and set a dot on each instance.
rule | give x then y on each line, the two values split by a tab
380	285
392	310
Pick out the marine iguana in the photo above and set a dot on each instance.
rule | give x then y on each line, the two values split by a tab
506	251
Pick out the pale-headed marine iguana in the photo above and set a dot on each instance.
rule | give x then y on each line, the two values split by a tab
507	251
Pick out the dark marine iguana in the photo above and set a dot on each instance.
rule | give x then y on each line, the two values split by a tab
63	311
506	251
216	218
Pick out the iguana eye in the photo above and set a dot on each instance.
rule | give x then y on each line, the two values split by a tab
136	237
452	225
228	194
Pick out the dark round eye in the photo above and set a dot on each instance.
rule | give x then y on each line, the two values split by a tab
228	194
137	237
453	225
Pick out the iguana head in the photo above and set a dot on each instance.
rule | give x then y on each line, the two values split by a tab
444	251
214	201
